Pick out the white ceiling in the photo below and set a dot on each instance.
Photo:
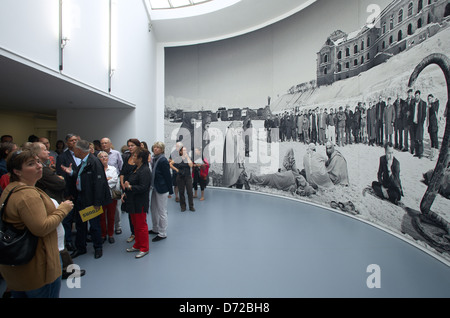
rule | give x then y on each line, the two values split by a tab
24	88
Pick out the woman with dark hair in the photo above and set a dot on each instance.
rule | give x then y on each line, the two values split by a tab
5	149
129	164
184	179
32	208
59	147
137	201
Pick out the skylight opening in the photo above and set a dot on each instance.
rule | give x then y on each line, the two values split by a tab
173	4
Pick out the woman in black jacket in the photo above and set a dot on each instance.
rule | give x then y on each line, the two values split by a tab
137	195
184	179
128	167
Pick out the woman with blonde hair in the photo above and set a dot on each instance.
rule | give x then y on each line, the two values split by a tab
162	186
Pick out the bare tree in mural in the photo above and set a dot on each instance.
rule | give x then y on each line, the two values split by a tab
427	215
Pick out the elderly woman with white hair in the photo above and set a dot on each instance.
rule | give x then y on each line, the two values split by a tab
107	218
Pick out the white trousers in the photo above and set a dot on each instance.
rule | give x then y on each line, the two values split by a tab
331	134
158	210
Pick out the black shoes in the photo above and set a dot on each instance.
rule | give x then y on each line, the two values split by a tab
158	238
111	240
70	247
98	253
77	253
192	209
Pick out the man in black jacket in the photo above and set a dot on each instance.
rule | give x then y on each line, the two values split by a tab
89	179
66	159
406	115
380	106
388	185
398	124
418	115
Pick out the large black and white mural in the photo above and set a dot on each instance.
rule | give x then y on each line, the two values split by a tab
342	104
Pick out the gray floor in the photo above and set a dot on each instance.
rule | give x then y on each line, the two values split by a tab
241	244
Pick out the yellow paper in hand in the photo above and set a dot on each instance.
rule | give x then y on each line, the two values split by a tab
89	213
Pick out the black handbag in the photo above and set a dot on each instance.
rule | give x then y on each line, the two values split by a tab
17	247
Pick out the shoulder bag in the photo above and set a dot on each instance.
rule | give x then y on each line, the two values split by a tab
17	247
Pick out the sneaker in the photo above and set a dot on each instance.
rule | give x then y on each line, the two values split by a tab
130	239
141	254
132	249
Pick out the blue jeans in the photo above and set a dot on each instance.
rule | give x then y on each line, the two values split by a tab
48	291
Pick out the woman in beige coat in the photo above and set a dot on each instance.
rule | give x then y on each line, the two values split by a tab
30	207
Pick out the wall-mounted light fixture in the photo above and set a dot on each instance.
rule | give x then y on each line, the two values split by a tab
112	45
62	41
64	29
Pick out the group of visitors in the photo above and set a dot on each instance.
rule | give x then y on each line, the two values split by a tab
399	121
50	189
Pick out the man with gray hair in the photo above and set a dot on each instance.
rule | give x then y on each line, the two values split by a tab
92	189
66	159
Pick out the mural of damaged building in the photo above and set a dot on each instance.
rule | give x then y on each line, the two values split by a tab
400	26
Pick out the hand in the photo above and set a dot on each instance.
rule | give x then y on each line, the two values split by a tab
127	185
67	203
68	169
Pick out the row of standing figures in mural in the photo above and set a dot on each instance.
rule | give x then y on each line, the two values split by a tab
427	221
